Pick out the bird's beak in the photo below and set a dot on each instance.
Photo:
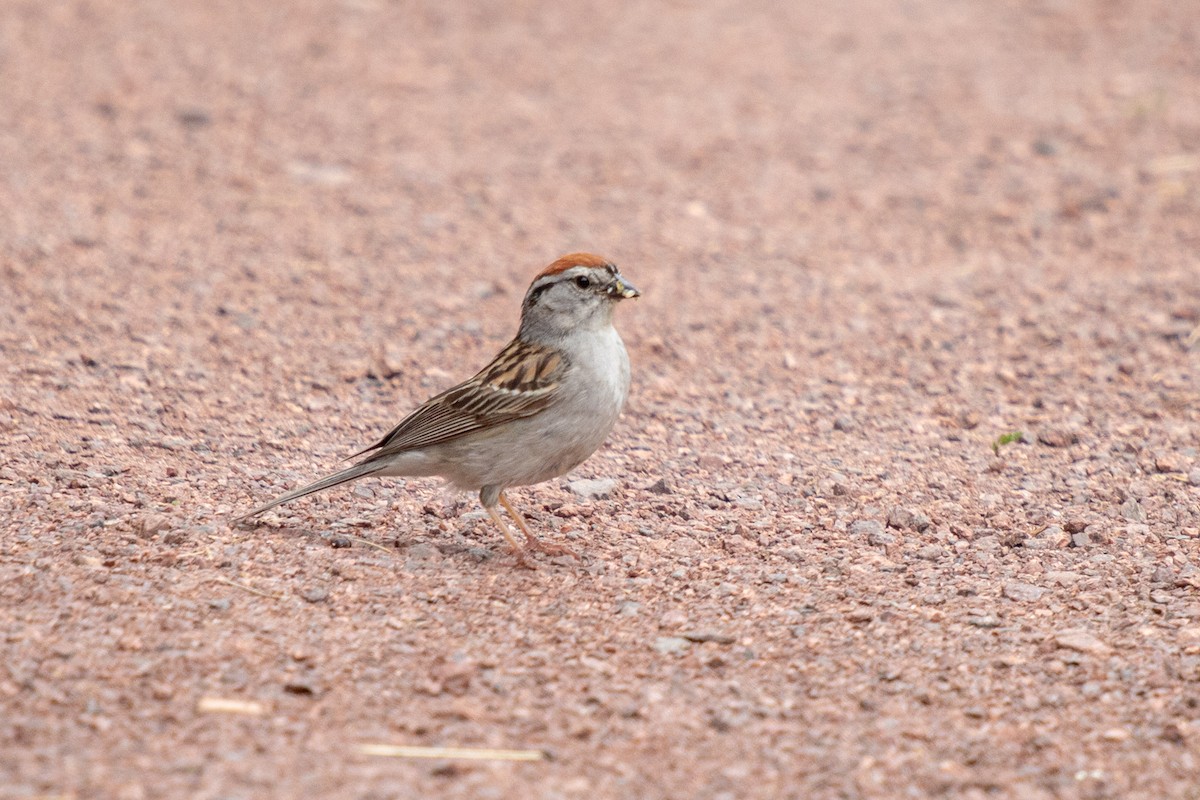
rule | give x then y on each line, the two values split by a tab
623	289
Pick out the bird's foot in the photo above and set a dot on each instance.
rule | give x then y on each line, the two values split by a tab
533	543
524	561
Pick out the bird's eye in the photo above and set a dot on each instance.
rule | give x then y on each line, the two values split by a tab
583	281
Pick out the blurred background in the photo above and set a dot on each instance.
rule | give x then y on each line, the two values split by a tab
227	150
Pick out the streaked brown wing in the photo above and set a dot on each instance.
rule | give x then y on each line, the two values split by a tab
521	381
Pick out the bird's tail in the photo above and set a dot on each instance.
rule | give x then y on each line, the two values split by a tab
349	474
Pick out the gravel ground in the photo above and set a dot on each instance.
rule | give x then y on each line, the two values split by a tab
907	493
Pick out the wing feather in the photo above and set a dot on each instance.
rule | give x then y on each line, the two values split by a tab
521	381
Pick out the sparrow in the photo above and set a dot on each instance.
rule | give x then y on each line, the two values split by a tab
542	406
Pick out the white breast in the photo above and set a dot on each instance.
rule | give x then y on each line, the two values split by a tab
558	439
593	394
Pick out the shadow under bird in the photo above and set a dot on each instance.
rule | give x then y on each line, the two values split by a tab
542	406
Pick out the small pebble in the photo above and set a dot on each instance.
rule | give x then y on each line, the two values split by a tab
880	538
866	528
1132	510
1052	537
592	488
1081	642
316	594
1168	463
671	644
1024	592
907	519
661	486
932	552
629	608
1163	576
1175	732
1057	437
673	619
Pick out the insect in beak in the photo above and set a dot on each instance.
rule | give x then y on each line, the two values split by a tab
623	289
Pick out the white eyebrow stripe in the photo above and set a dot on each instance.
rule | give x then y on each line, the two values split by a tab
566	274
